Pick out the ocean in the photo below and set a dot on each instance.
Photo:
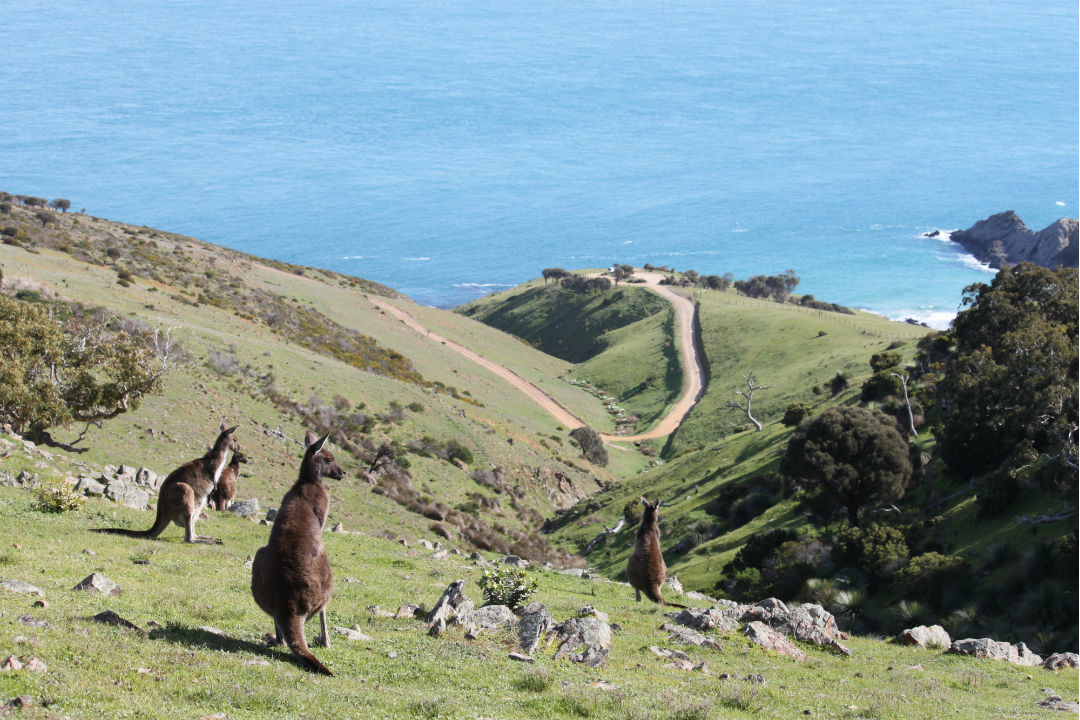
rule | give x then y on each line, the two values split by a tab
450	148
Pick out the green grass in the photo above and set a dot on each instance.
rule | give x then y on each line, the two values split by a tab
179	670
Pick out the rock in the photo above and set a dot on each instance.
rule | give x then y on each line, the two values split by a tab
515	561
249	562
271	514
808	623
11	663
455	551
589	633
110	618
474	556
148	478
489	617
338	528
755	678
134	498
245	508
673	583
686	636
353	633
98	583
88	486
18	586
1054	702
440	555
521	658
249	663
1018	654
351	579
31	621
535	623
1061	660
1003	239
573	572
408	610
126	473
590	611
768	638
437	545
710	619
426	544
448	602
21	701
934	636
694	595
35	665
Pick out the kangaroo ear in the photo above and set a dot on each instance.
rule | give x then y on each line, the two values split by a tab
318	444
309	438
223	426
644	501
230	430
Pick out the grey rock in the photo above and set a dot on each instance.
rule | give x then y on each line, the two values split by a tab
710	619
148	478
755	678
447	603
245	508
1003	239
21	587
1061	660
249	562
590	611
535	623
1054	702
521	658
31	621
352	633
1018	654
426	544
673	583
515	561
573	572
437	545
134	498
667	653
588	633
440	554
108	617
761	634
686	636
695	595
475	556
98	583
408	610
922	636
126	473
91	487
489	617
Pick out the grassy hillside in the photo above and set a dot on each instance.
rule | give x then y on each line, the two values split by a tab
201	651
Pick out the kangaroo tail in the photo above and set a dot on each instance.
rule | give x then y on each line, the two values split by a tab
654	595
160	523
293	630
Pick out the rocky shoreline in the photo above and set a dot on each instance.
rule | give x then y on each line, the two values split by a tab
1003	239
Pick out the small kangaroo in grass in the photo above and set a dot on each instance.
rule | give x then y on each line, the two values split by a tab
225	490
290	577
645	570
184	492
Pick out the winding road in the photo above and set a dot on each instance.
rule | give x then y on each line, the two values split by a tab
693	383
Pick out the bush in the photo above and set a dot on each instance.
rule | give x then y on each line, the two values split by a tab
876	549
457	451
631	511
592	447
885	361
927	576
881	385
57	497
838	384
796	413
506	585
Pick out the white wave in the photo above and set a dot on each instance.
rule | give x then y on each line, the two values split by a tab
1059	203
943	235
935	318
416	259
352	257
480	286
628	242
741	230
972	262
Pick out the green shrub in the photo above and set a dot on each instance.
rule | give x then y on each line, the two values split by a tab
927	576
457	451
881	385
57	497
507	585
796	413
876	549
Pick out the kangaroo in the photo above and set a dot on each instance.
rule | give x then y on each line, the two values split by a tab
645	570
184	492
225	490
290	577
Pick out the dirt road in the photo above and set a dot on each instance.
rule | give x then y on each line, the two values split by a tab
692	373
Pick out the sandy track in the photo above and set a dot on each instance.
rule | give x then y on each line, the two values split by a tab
684	323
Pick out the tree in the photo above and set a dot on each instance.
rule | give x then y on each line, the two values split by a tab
748	398
848	456
61	204
45	217
1009	393
689	277
622	272
885	361
796	413
53	372
592	447
554	274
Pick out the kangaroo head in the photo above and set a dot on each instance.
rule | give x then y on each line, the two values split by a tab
651	511
319	458
229	436
239	457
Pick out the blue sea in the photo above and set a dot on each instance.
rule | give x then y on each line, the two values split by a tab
451	148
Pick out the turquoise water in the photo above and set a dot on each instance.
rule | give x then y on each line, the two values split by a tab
451	148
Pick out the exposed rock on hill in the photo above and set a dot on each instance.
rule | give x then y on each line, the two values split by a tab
1003	239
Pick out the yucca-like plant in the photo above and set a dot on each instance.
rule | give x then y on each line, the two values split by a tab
57	497
506	585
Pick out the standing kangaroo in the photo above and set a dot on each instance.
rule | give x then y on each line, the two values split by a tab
184	492
225	490
290	577
645	570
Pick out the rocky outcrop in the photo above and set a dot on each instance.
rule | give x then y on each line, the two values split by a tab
1003	239
922	636
1018	654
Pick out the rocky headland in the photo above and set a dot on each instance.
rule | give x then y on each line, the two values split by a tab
1003	239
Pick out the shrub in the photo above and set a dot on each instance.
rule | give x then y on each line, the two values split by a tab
632	511
885	361
507	585
796	413
838	384
57	497
881	385
876	549
457	451
927	576
592	447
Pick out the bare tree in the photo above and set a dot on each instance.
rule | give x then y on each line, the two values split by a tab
907	402
748	397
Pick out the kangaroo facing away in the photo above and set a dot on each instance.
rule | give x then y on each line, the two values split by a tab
225	490
645	570
290	577
184	492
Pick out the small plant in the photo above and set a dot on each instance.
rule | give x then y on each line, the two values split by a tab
536	681
506	585
57	497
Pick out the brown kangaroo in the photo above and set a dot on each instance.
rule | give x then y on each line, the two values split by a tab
184	492
645	570
290	577
225	490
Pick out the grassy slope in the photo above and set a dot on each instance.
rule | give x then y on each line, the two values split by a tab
180	670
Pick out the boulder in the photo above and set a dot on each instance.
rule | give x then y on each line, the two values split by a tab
148	478
686	636
21	587
1004	239
535	623
673	583
245	508
444	608
934	636
108	617
590	611
1054	702
134	498
588	633
710	619
91	487
489	617
768	638
98	583
352	633
1061	660
31	621
1018	654
515	561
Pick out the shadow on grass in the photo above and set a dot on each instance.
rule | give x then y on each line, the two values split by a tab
203	638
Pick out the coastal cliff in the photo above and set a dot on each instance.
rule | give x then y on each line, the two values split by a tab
1003	239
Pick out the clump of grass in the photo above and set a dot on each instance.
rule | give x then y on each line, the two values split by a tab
434	708
537	681
57	497
743	697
